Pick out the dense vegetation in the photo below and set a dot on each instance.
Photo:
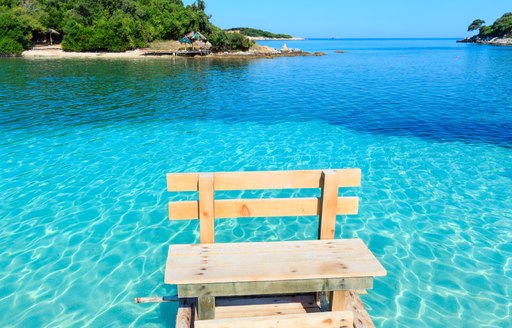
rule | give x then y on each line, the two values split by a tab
107	25
17	26
223	41
501	28
253	32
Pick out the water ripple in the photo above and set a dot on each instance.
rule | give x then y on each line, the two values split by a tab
86	146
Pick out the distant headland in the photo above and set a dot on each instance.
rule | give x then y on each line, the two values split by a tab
499	33
258	35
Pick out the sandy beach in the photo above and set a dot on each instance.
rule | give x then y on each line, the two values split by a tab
56	52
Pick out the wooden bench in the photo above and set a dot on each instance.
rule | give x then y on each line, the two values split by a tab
224	283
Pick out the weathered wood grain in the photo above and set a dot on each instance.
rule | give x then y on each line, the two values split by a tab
186	314
339	300
328	205
276	261
263	180
237	307
317	320
273	287
206	307
206	208
271	207
361	317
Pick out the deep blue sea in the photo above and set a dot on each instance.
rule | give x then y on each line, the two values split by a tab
85	145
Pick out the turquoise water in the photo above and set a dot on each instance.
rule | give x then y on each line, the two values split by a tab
86	144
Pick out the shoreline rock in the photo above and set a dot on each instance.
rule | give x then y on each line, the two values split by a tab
259	51
255	55
493	41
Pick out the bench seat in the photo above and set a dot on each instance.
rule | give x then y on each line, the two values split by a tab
270	261
207	274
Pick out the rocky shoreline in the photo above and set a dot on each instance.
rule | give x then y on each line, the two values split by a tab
493	41
251	54
258	51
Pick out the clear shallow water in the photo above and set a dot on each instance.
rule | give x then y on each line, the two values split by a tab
86	145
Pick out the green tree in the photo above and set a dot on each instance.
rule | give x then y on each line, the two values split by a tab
503	26
477	24
219	40
485	32
10	47
106	25
201	5
237	41
16	26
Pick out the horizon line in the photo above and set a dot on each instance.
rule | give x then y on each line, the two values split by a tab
370	38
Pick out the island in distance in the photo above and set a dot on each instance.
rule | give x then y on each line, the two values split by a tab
258	35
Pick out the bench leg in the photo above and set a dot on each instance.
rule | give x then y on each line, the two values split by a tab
206	308
339	300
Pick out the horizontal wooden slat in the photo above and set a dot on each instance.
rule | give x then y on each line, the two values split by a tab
273	287
263	180
258	306
239	208
336	319
228	250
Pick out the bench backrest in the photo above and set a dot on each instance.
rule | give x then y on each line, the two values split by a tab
207	209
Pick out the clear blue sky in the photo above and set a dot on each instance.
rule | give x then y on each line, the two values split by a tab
357	18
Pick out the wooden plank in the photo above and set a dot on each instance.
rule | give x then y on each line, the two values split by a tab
275	272
329	199
237	262
273	287
327	226
339	300
206	307
242	208
297	246
185	315
206	208
332	262
263	180
258	310
361	317
238	307
317	320
307	300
